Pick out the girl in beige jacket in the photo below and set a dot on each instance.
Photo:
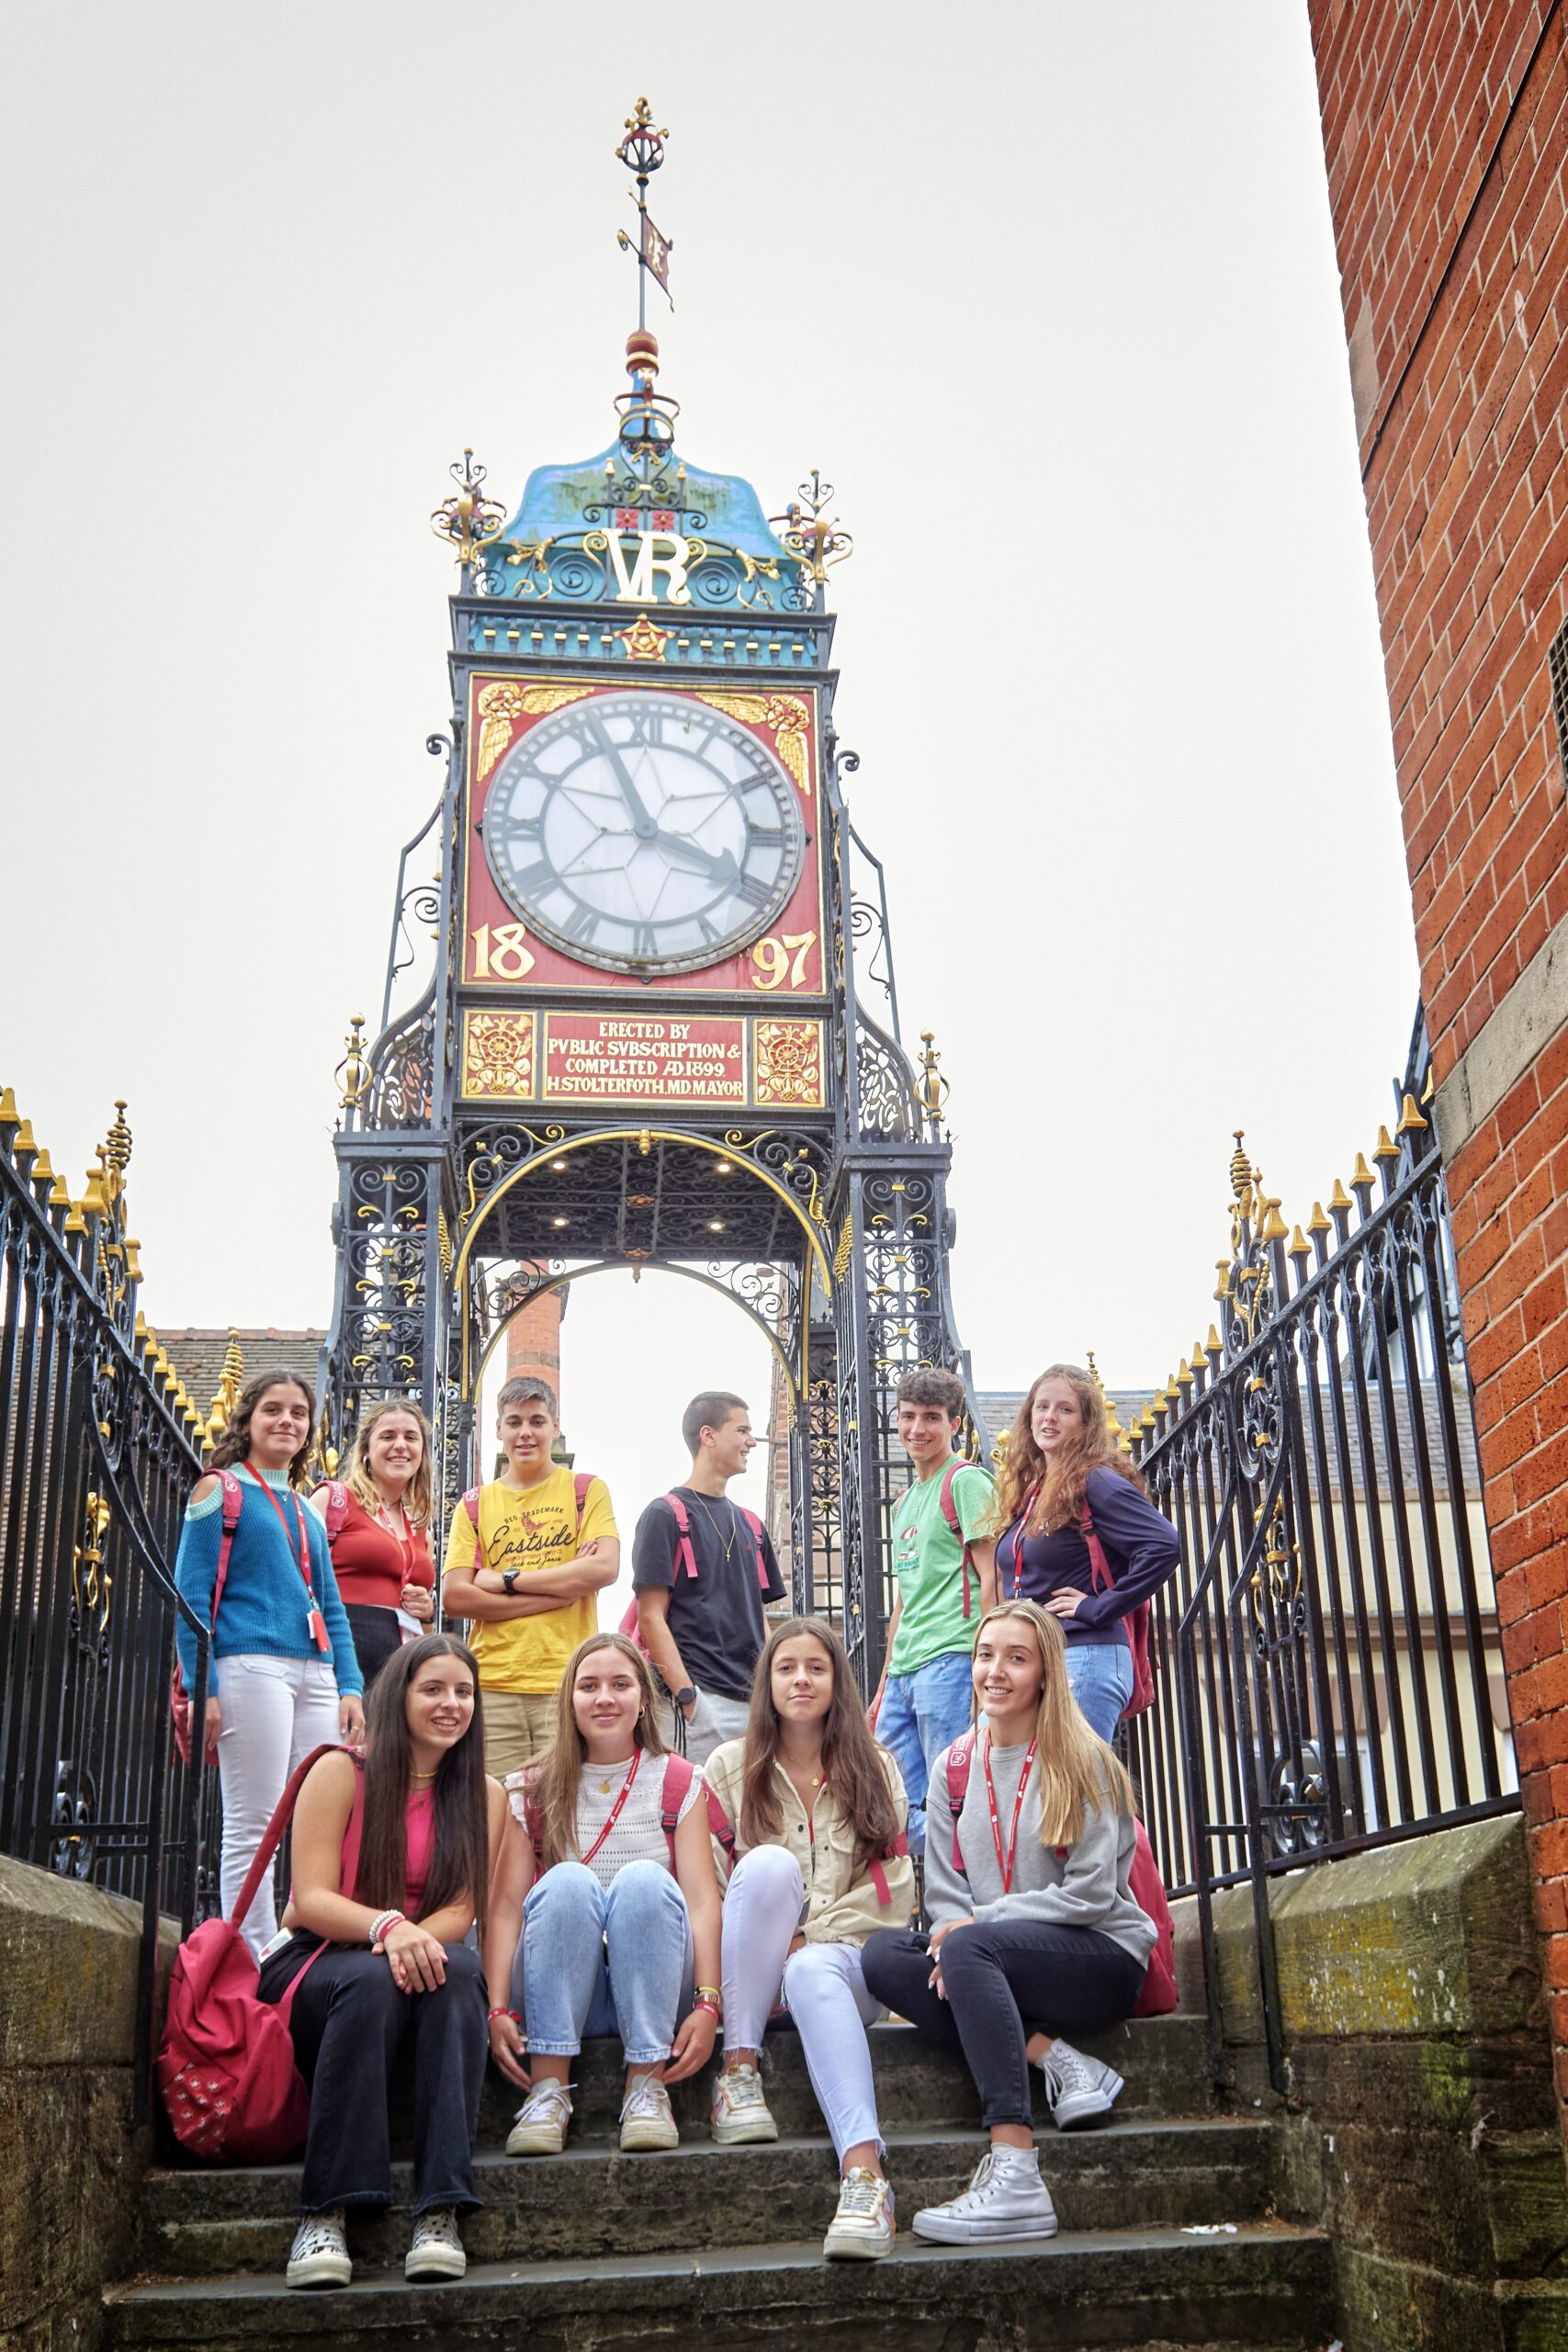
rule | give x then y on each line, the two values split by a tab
818	1859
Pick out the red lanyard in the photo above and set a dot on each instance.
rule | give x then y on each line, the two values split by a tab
615	1808
1021	1529
313	1617
1004	1863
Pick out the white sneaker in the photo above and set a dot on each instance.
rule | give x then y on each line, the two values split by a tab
1006	2199
540	2127
436	2251
1077	2089
739	2110
862	2227
647	2120
319	2256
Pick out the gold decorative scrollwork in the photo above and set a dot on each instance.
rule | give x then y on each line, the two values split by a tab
843	1254
503	702
789	718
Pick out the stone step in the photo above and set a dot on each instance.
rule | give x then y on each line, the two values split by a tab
593	2201
1267	2285
918	2087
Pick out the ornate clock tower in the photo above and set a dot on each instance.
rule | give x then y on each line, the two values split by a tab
661	1028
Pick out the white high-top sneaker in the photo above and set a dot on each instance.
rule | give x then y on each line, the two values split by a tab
1006	2199
1077	2089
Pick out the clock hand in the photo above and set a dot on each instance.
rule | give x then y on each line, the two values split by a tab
721	865
642	823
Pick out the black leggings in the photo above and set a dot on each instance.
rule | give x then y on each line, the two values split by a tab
1006	1979
348	2021
377	1636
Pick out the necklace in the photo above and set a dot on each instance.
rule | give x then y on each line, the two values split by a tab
425	1776
403	1542
713	1525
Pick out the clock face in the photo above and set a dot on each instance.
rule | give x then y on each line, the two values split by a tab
638	829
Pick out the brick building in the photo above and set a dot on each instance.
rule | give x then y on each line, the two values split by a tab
1445	129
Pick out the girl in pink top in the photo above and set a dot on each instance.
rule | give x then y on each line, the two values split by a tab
392	1857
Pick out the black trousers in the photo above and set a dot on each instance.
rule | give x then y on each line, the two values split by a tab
377	1637
1005	1979
348	2022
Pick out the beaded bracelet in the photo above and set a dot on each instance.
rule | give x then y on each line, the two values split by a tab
515	2014
382	1925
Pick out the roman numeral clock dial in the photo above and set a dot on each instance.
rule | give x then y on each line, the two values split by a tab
644	832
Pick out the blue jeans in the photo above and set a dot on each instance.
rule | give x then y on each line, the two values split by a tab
1100	1675
921	1714
594	1960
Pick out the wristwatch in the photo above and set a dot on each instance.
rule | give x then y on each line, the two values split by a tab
509	1578
686	1697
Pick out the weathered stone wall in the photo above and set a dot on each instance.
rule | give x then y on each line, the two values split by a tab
70	2166
1420	2121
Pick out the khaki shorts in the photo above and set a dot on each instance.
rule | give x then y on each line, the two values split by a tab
519	1726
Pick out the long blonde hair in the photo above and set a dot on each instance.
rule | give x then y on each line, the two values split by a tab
1077	1772
417	1499
1058	1484
554	1782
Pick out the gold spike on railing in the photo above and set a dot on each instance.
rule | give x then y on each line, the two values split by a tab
1410	1120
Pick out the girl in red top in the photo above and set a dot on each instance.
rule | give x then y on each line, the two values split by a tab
376	1523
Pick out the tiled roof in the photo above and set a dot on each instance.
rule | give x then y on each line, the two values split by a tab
197	1356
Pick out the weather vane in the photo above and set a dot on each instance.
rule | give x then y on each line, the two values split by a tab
642	152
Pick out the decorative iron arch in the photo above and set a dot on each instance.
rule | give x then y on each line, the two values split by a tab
620	1266
562	1149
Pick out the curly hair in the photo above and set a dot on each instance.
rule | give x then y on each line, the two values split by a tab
234	1445
851	1761
1057	1485
417	1499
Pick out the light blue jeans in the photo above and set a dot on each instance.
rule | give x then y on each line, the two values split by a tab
920	1715
1100	1675
593	1960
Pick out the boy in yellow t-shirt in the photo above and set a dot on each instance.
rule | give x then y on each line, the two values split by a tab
533	1600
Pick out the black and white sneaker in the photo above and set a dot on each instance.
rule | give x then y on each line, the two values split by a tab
437	2250
319	2256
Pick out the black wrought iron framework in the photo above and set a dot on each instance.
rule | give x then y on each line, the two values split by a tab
1333	1677
97	1456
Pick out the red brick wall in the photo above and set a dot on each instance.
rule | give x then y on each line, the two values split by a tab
1446	133
532	1339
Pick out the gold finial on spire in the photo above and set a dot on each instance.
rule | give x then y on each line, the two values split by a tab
467	520
116	1145
934	1087
1241	1167
1410	1120
353	1073
818	543
1385	1148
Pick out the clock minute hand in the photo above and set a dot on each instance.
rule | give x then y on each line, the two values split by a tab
642	823
720	865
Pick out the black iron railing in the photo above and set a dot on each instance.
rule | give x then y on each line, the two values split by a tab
96	1459
1332	1676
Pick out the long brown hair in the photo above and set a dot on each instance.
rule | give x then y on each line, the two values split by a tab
554	1782
234	1444
1061	1481
417	1499
460	1847
1077	1773
851	1761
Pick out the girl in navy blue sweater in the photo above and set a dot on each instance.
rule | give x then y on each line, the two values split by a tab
1063	1478
284	1678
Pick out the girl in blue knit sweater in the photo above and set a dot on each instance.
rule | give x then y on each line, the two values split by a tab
284	1678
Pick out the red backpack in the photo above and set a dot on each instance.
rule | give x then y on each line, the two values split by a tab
685	1557
950	1512
678	1772
179	1697
226	2067
1159	1992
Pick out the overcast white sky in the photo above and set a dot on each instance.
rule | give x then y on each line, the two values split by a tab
1048	292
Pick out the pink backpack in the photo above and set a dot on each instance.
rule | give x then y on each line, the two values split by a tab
950	1512
470	1503
1159	1992
179	1697
678	1771
226	2067
685	1557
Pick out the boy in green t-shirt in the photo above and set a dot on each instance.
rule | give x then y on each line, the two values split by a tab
534	1599
925	1697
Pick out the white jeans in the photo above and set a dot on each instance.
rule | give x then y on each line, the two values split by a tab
823	1989
275	1711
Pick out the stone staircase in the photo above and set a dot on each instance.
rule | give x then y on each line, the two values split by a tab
597	2252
